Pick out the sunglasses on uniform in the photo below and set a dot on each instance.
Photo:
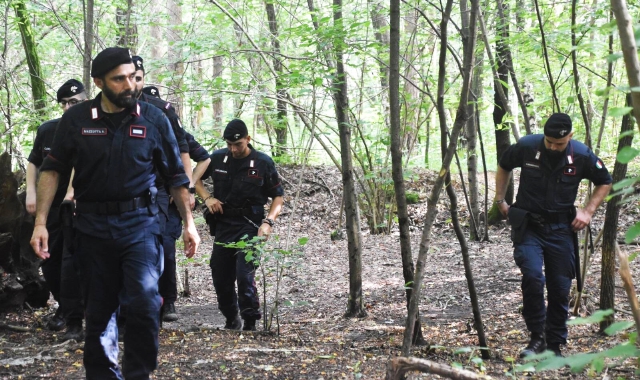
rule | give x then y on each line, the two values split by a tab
71	102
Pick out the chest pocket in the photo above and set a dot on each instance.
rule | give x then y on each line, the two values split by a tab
532	180
220	185
567	189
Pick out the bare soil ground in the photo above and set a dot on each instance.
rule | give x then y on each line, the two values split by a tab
310	338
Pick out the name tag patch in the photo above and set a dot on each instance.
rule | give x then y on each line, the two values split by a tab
254	173
138	131
534	165
94	131
569	170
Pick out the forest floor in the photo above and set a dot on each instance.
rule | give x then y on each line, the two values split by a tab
310	338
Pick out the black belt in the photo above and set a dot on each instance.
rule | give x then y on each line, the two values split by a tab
111	208
552	218
243	211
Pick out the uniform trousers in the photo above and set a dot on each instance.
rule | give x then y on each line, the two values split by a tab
110	266
551	245
167	286
229	265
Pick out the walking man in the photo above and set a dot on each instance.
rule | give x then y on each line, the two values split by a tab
243	180
115	145
544	222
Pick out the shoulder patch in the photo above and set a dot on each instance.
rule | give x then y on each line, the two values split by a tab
599	164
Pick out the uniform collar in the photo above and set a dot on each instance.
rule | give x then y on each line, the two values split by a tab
97	113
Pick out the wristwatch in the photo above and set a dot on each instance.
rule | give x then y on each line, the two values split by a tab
270	222
192	190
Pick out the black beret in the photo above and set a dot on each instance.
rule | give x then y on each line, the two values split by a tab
139	62
558	126
235	130
109	59
70	88
151	91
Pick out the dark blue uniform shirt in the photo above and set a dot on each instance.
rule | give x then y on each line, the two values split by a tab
41	148
242	183
196	151
546	188
115	163
171	114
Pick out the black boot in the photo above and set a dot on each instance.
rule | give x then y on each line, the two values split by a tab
169	312
249	325
555	348
56	323
536	345
233	323
74	331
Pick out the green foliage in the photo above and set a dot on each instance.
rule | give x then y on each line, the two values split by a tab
412	198
596	361
273	262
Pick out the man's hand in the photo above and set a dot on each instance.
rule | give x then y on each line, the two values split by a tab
191	240
214	205
583	218
31	202
503	207
264	230
40	241
192	201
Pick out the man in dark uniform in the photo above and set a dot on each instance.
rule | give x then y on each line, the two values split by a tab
69	94
243	180
544	221
168	286
115	145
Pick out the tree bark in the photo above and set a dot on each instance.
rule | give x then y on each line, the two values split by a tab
499	111
355	305
88	45
576	77
610	230
127	29
397	171
38	89
280	126
629	51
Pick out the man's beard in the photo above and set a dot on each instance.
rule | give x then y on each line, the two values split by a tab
125	99
554	154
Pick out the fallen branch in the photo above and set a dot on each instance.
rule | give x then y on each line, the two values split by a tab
14	328
398	366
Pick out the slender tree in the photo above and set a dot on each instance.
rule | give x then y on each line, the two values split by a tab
88	44
38	89
610	230
281	105
355	305
396	160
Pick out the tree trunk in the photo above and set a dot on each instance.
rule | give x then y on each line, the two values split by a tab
217	99
88	46
20	280
127	29
355	305
610	230
499	111
176	65
38	88
629	51
432	203
280	126
397	171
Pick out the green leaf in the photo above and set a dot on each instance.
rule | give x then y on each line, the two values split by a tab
303	240
618	326
627	133
619	111
462	350
627	350
596	317
598	364
477	360
627	182
613	57
551	364
626	154
633	256
632	233
578	362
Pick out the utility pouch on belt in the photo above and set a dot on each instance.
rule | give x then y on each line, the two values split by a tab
67	212
153	200
211	220
519	220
